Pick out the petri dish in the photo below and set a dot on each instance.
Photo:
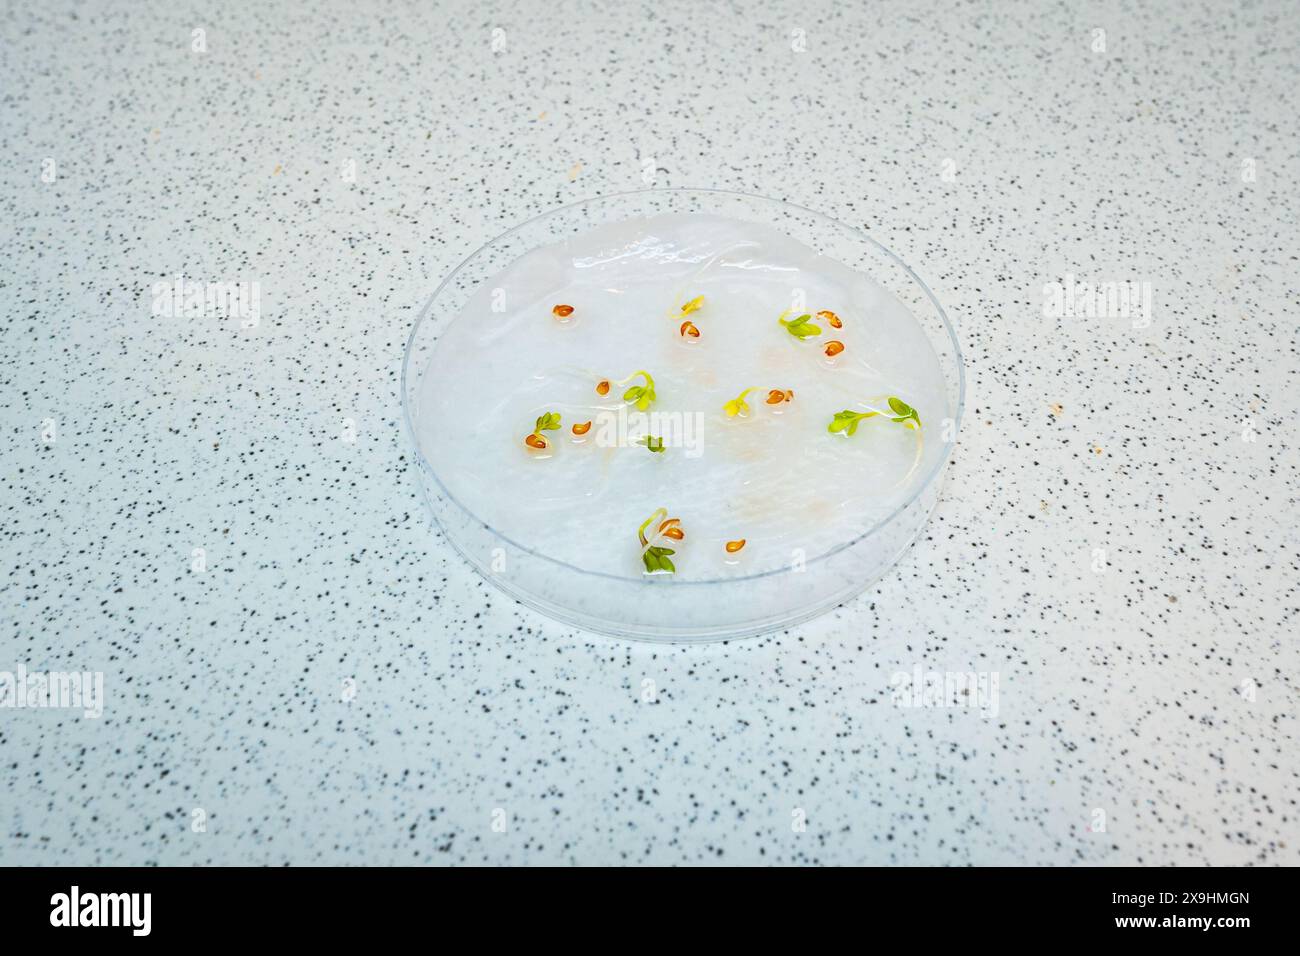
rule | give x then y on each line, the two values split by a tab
719	292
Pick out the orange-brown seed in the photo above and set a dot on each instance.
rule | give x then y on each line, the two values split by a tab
535	441
833	348
689	330
734	546
602	388
563	311
831	318
672	529
775	397
582	429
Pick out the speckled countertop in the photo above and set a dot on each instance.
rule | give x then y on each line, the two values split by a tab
1117	541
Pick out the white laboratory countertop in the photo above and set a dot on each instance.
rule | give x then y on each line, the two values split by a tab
339	687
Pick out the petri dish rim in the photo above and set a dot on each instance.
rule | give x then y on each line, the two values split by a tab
935	470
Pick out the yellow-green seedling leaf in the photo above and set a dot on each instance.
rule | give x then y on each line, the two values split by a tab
847	421
738	405
641	395
801	327
652	443
905	412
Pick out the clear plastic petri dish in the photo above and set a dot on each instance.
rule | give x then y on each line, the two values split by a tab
739	599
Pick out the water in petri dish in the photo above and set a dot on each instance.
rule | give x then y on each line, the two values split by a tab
771	474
